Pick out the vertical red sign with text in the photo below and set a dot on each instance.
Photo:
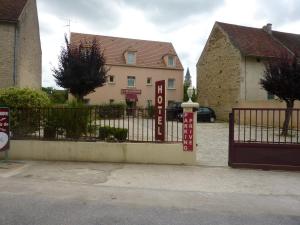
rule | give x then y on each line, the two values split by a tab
4	129
188	130
160	113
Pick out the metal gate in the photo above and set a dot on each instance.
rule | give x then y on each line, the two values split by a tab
255	139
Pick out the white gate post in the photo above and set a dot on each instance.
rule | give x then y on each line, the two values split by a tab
189	123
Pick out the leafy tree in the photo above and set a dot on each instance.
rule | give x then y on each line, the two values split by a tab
81	68
282	78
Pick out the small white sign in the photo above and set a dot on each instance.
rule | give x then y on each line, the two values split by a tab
3	140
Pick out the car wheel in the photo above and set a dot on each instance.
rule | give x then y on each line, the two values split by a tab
212	119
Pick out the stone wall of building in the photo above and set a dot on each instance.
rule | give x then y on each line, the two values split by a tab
29	62
218	74
7	34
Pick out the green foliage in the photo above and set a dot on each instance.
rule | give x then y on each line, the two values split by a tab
72	120
120	134
81	68
26	121
75	122
105	132
111	111
56	96
111	133
23	98
151	111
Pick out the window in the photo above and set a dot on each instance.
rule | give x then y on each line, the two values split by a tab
131	81
130	57
270	96
171	83
111	79
111	101
171	60
149	81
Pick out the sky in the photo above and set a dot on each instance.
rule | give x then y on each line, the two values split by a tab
185	23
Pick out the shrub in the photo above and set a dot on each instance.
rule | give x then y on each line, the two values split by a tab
56	96
150	111
111	111
72	120
23	98
26	120
120	134
105	132
109	133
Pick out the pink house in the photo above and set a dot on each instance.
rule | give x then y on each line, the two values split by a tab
134	67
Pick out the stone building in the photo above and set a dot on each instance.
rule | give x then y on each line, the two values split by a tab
20	46
233	62
134	67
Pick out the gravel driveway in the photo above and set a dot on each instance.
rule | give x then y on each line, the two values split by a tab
212	139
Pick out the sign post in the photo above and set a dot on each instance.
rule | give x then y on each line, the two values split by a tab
189	139
160	112
188	131
4	131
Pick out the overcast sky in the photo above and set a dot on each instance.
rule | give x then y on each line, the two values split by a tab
185	23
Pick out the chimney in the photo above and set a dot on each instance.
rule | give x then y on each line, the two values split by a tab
268	28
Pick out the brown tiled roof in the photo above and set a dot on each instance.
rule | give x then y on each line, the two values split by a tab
291	41
257	42
10	10
148	53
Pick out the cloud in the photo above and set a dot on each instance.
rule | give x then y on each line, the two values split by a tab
100	13
168	12
279	12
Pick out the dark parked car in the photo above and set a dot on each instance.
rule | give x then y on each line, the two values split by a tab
174	111
204	114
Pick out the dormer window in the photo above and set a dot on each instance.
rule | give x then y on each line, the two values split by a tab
171	60
130	57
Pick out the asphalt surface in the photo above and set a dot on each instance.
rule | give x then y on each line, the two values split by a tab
44	193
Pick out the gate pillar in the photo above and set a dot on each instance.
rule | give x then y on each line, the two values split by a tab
189	129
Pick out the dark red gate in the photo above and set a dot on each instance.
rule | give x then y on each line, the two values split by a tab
255	139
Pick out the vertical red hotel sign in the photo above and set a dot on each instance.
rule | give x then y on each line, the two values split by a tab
188	121
4	129
160	115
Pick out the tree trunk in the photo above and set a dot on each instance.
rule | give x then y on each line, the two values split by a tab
288	115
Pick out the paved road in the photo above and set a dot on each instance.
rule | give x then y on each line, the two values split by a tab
116	194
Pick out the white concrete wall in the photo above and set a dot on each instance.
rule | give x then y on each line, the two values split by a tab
100	152
251	73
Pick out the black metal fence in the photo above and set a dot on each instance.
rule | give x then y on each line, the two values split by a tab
265	125
91	124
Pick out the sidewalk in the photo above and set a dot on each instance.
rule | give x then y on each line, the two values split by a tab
157	177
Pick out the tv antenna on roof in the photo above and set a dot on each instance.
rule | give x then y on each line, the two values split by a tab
69	21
